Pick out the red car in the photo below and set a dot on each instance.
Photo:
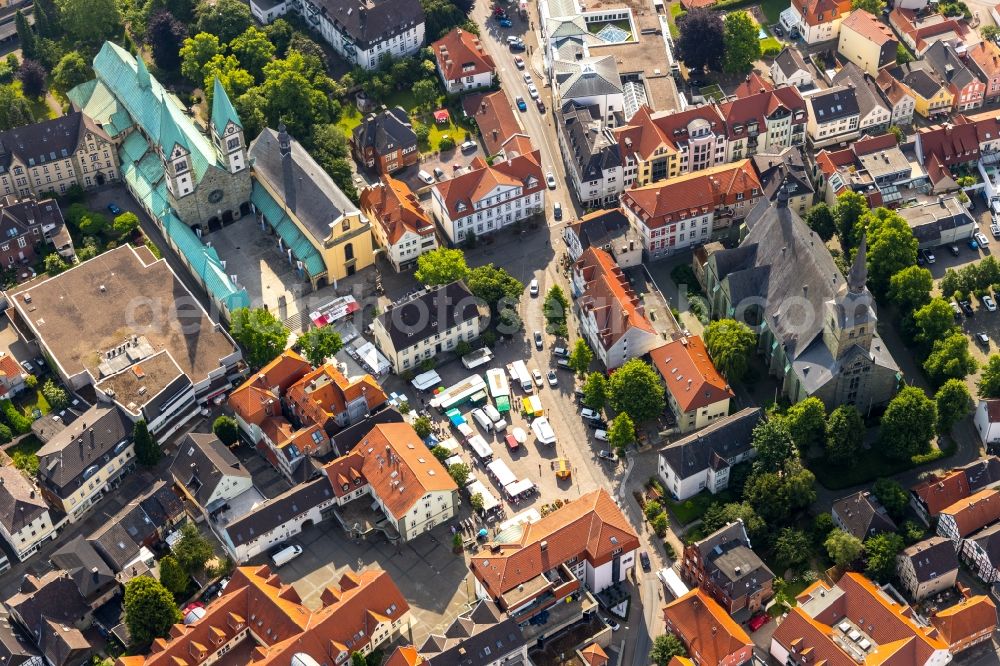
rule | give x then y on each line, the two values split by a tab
759	620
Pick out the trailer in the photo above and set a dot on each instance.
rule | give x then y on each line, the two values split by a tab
459	393
496	379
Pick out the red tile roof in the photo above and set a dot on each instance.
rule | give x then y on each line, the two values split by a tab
524	171
404	655
966	620
594	655
974	512
608	296
256	599
753	85
707	631
939	493
9	367
458	50
868	27
392	205
646	131
494	114
250	400
325	392
818	12
953	143
987	56
758	106
590	527
690	375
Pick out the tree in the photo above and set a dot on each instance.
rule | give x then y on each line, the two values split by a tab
165	34
477	503
891	247
892	496
150	610
125	224
820	219
147	452
880	555
773	443
621	432
492	284
897	132
423	427
595	391
425	93
260	334
843	547
93	224
950	358
47	20
91	21
933	321
742	42
55	394
234	79
989	33
26	35
195	54
845	432
459	473
636	389
225	19
33	78
954	403
192	550
910	288
581	356
792	547
226	429
806	423
441	266
903	54
279	33
701	42
908	424
172	576
988	385
666	647
660	524
873	7
358	659
850	207
71	71
440	452
319	344
719	515
54	264
556	309
730	343
253	50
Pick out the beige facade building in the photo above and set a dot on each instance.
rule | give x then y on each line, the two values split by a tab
54	155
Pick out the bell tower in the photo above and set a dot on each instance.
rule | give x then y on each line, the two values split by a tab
227	130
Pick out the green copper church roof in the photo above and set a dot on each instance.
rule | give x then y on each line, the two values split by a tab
223	112
292	236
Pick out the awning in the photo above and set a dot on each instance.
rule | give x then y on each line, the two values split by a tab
503	404
442	116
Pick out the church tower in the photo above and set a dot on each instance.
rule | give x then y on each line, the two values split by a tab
178	169
227	130
850	318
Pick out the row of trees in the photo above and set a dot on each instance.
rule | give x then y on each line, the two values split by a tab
707	41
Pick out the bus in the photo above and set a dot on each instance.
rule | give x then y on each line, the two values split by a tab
460	393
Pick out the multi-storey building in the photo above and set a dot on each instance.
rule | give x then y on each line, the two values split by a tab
929	497
724	565
25	521
967	90
591	154
927	568
768	120
462	62
984	60
867	42
709	634
400	225
696	393
785	172
815	20
790	69
26	226
834	116
931	95
873	166
874	115
363	33
897	97
56	154
385	142
969	515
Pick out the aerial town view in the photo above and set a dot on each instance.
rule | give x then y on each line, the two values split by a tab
499	332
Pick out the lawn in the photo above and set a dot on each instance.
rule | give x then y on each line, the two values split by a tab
713	92
772	9
349	119
439	131
691	509
24	454
769	44
676	12
27	401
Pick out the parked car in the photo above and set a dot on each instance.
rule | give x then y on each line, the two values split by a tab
563	364
644	561
990	304
590	414
929	256
550	180
957	310
759	620
537	375
521	106
439	173
557	210
468	146
517	45
778	31
532	91
973	244
538	339
505	23
954	250
599	424
920	259
519	62
113	207
982	239
540	105
966	308
601	436
561	352
533	287
605	454
425	177
552	379
983	339
527	78
30	369
995	230
611	623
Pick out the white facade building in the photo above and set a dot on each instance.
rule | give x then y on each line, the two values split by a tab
25	521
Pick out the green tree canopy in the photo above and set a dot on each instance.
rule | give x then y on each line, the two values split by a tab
147	452
892	496
426	93
125	223
260	333
580	357
636	389
719	515
806	421
910	288
776	495
908	424
319	344
950	358
253	50
621	432
441	266
730	343
742	42
880	555
773	443
459	473
556	310
595	391
843	548
954	403
492	283
56	395
792	547
891	247
71	71
91	21
666	647
820	219
423	427
226	429
195	54
172	576
845	433
933	321
150	610
192	550
873	7
226	19
850	207
26	36
988	385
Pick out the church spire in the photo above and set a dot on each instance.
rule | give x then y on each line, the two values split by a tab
858	276
142	74
223	112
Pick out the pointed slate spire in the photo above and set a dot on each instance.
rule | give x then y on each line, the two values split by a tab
170	134
858	276
142	74
222	109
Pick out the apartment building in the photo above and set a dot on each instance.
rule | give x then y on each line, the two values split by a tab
766	121
400	225
867	42
696	393
834	116
462	62
25	521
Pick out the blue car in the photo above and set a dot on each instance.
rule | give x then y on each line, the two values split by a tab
973	244
521	106
505	23
113	207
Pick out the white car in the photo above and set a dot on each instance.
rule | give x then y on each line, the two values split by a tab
550	180
468	146
533	287
990	304
601	435
537	374
982	239
527	78
425	177
551	377
532	91
590	414
995	230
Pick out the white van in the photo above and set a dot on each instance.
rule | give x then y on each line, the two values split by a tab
499	424
426	380
484	421
286	555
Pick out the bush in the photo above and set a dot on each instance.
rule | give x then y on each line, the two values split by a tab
446	143
226	429
5	434
31	382
652	510
55	394
660	525
18	422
